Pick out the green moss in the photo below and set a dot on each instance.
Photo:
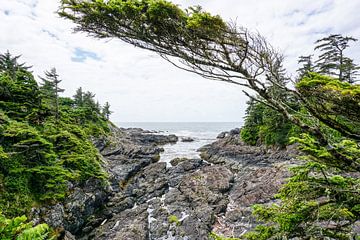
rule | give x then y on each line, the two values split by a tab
174	219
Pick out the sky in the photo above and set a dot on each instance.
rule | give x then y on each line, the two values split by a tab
142	87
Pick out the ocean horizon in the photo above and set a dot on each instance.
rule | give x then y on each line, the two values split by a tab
202	133
166	125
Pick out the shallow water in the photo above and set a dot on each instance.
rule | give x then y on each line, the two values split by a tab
202	132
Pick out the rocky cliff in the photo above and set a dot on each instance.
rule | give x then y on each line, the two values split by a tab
145	199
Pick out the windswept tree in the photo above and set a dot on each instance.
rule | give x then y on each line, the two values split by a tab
204	44
332	59
106	110
193	40
50	89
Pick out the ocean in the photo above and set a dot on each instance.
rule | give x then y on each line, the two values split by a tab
202	132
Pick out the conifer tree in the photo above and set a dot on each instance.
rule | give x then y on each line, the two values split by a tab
106	110
10	64
307	65
88	100
50	88
79	97
332	60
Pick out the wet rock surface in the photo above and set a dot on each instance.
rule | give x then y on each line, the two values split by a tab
145	199
187	139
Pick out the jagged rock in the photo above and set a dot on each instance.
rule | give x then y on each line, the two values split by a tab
69	236
149	183
185	166
78	206
176	161
147	200
130	224
258	174
222	135
145	137
235	131
187	139
125	154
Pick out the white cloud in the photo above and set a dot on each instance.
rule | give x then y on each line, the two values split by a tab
142	87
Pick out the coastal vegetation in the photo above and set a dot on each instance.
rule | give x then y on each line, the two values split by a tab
319	112
45	144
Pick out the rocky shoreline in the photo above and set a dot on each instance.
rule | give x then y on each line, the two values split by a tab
145	199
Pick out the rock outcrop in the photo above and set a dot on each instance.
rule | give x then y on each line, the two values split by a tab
258	174
187	139
125	154
145	199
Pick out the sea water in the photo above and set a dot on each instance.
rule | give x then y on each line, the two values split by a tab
202	132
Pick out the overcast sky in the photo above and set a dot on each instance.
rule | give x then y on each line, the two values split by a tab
138	84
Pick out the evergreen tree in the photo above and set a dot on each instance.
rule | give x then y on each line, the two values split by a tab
332	60
79	97
10	64
19	95
39	157
51	89
106	110
307	65
98	107
88	100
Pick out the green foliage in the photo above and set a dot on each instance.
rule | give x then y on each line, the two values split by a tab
17	228
174	219
332	60
333	102
204	23
20	96
312	203
106	110
307	65
41	153
50	90
264	125
322	198
145	19
214	236
9	64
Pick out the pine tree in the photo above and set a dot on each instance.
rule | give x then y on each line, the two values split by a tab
106	110
88	100
50	88
98	107
307	65
79	97
10	64
332	60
